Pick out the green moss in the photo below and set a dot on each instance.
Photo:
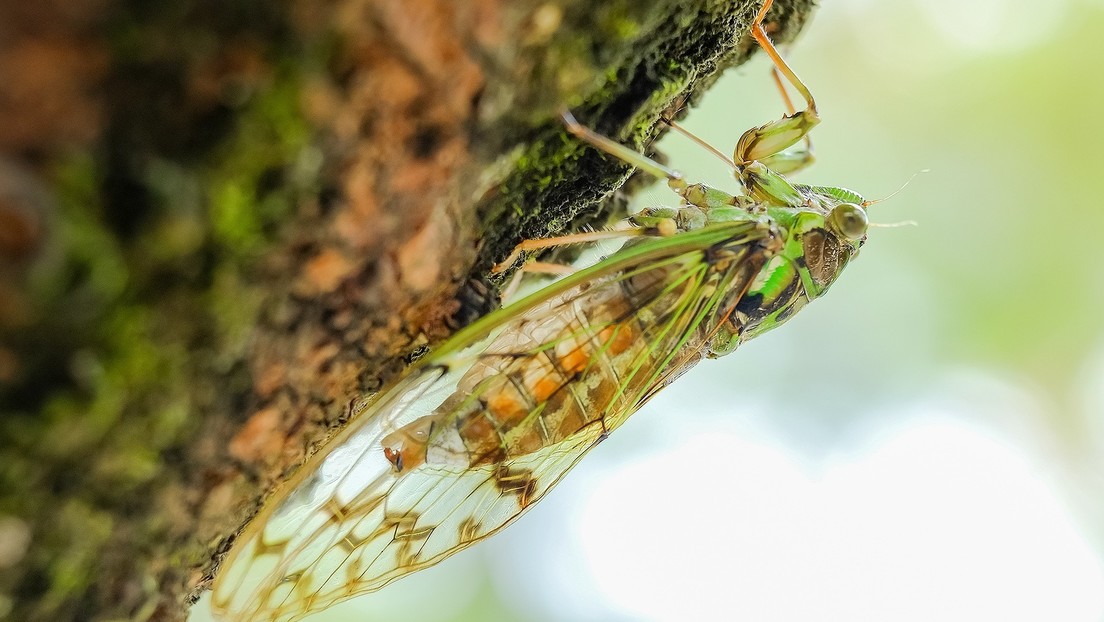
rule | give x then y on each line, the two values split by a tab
91	253
127	314
617	21
269	137
82	533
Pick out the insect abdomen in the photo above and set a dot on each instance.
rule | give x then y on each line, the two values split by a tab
540	384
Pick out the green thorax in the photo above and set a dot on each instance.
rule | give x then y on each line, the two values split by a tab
821	229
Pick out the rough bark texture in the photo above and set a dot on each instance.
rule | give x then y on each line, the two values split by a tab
222	222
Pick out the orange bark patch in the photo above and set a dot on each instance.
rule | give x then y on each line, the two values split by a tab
260	437
419	260
50	95
21	227
324	272
358	225
270	377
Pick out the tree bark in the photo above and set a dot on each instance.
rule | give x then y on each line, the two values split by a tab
222	223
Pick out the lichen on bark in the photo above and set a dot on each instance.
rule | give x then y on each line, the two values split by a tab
220	224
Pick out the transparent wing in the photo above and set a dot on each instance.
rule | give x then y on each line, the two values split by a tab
469	440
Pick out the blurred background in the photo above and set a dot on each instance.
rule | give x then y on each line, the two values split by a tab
926	442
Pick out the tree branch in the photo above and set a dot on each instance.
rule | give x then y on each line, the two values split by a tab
220	224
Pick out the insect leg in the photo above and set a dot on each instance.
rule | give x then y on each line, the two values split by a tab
693	194
664	227
701	142
784	162
699	195
789	161
572	238
760	143
623	153
533	267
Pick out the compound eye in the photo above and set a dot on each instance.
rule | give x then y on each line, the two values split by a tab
850	220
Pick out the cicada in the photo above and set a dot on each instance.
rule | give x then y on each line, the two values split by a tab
475	434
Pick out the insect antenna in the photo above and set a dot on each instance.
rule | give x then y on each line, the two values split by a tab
897	191
894	225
